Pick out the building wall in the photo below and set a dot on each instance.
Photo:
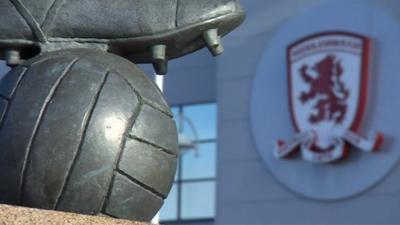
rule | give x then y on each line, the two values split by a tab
246	191
190	79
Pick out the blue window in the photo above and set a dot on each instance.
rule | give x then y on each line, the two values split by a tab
193	194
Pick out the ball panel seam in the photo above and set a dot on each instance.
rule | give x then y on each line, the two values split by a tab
38	121
131	121
81	141
3	108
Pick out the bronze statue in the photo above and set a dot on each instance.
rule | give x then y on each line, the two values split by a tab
81	128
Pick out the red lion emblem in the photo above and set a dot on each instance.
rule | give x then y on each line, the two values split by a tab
328	88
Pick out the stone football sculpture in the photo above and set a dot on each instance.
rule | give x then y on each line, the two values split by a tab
82	129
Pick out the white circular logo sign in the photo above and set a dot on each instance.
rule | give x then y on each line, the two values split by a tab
321	102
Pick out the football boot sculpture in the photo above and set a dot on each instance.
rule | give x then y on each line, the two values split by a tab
82	129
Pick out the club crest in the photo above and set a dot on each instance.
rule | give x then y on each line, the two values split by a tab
327	86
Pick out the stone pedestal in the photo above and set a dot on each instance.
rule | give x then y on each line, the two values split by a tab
12	215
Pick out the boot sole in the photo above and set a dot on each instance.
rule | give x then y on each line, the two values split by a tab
179	42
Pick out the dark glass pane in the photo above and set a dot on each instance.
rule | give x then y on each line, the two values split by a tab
176	178
204	120
169	210
3	69
198	200
201	163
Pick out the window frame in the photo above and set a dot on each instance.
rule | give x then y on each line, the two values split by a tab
179	181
